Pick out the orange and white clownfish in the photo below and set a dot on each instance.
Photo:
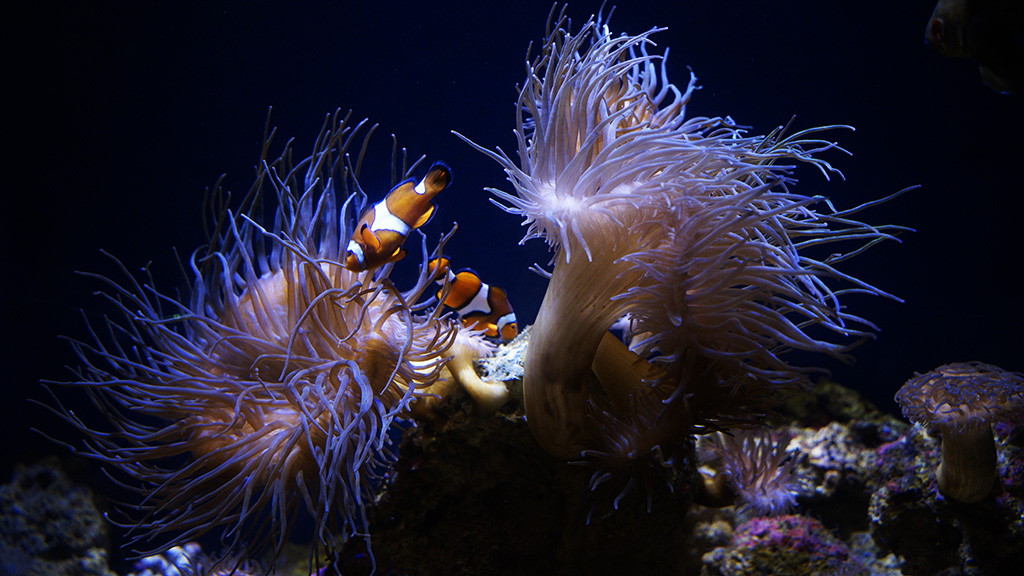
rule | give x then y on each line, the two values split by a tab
382	230
480	305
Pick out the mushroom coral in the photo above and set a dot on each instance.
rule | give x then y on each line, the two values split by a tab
270	388
962	401
686	225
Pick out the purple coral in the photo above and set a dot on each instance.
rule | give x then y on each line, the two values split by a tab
784	545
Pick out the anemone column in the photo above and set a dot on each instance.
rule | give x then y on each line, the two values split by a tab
576	313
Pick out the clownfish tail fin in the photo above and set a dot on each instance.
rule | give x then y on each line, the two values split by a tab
438	177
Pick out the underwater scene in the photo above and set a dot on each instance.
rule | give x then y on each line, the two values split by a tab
666	287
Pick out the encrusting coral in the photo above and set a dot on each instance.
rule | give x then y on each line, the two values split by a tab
268	392
684	224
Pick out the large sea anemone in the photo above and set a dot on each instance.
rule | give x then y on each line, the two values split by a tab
685	224
268	389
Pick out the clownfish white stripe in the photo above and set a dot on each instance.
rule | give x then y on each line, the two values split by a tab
383	219
420	188
479	302
357	250
506	320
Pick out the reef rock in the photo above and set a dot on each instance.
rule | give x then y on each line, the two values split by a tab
49	526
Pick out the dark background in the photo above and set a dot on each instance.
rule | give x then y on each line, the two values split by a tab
126	111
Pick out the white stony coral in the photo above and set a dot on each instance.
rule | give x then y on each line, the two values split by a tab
683	223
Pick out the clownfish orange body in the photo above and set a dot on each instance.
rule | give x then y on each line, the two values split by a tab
380	233
481	306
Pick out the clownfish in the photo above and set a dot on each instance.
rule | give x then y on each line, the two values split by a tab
480	305
382	230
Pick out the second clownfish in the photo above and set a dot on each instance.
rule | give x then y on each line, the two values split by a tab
480	305
382	230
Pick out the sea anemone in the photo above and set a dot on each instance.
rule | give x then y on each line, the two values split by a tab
684	224
758	469
270	387
459	372
961	401
469	346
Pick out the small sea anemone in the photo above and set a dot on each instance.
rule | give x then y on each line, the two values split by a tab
962	401
758	470
270	387
686	225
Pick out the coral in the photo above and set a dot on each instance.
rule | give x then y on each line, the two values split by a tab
836	453
277	375
686	225
834	465
506	362
190	560
784	545
177	561
464	488
50	526
828	401
480	498
932	533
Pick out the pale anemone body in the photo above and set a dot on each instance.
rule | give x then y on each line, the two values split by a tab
278	378
758	469
683	223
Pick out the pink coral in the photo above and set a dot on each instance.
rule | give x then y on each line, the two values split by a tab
785	545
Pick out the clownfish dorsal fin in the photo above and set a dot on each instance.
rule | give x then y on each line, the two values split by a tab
425	217
406	186
369	238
